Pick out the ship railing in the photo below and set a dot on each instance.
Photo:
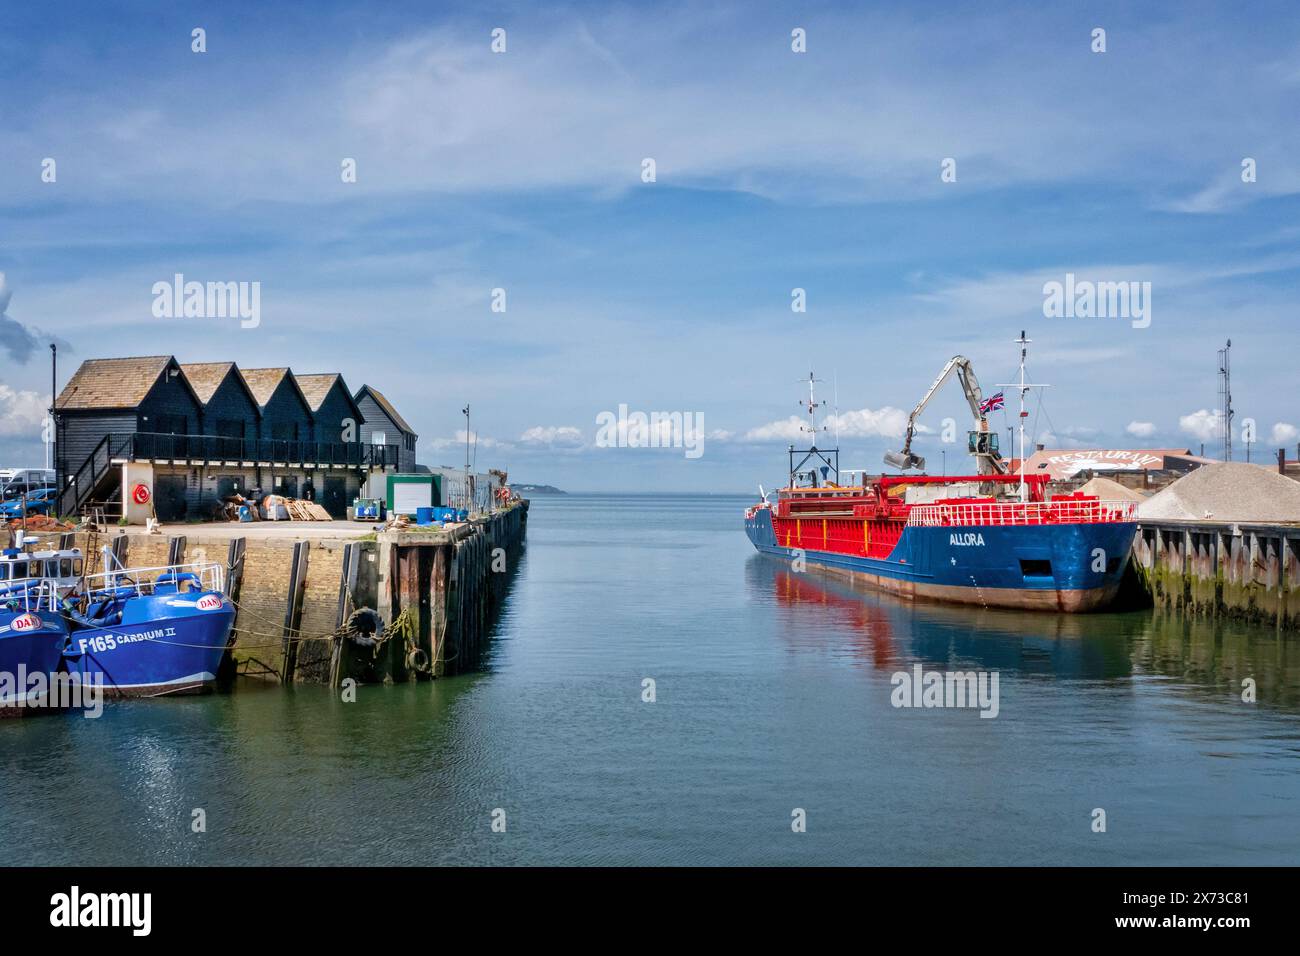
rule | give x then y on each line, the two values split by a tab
976	514
142	582
30	594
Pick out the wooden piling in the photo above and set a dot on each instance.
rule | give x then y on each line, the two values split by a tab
348	577
234	582
293	610
176	550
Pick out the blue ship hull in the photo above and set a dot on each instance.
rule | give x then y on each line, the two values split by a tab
1061	567
166	643
30	643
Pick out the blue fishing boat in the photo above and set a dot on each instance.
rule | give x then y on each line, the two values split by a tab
150	632
32	635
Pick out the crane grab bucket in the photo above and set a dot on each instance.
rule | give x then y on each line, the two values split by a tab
903	461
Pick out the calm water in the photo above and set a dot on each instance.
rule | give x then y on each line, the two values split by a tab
773	693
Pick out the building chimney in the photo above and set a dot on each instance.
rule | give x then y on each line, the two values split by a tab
1281	461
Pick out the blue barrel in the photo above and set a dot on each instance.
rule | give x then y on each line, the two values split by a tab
424	515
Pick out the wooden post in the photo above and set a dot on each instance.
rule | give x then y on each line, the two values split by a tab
408	590
293	610
227	669
120	552
438	612
175	550
235	570
347	590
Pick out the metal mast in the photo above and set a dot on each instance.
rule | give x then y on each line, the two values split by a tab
812	405
1225	398
1023	387
465	412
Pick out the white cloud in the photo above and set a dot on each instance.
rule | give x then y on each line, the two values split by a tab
887	422
1285	433
22	413
562	436
787	429
1141	429
435	109
459	441
1204	424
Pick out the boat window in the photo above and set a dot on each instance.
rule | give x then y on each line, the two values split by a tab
76	566
65	568
1035	568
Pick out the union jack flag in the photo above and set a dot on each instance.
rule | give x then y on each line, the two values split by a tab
991	403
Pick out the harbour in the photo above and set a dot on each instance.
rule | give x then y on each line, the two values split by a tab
755	667
439	438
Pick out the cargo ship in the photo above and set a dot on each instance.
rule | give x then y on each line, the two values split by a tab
994	538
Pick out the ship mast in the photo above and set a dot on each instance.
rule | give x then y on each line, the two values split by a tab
812	405
831	457
1023	388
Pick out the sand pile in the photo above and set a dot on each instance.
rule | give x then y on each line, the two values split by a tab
1108	490
1227	491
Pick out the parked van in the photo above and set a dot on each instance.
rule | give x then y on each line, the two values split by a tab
20	481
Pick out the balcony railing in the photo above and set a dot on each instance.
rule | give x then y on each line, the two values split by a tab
146	446
982	514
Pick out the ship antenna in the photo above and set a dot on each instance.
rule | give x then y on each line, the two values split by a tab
812	405
1023	387
835	394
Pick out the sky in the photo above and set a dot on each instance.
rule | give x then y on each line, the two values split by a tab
919	172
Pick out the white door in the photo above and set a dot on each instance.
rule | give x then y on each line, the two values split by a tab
410	495
378	438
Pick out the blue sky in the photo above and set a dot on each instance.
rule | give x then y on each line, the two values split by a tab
775	170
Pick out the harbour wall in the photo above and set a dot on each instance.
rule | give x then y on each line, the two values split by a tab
296	595
1247	572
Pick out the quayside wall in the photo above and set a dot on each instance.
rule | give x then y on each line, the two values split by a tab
296	594
1249	572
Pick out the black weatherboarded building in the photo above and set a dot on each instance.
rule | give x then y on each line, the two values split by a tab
384	425
177	438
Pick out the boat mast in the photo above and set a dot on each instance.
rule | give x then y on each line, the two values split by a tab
812	405
1023	387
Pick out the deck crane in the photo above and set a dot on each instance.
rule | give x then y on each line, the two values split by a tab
981	442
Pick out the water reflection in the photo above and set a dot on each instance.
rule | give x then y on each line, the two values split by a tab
1207	658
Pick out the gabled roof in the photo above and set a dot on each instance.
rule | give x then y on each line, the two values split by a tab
112	383
387	407
263	382
316	388
206	377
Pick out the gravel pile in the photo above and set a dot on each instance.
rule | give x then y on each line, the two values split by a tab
1108	490
1227	491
